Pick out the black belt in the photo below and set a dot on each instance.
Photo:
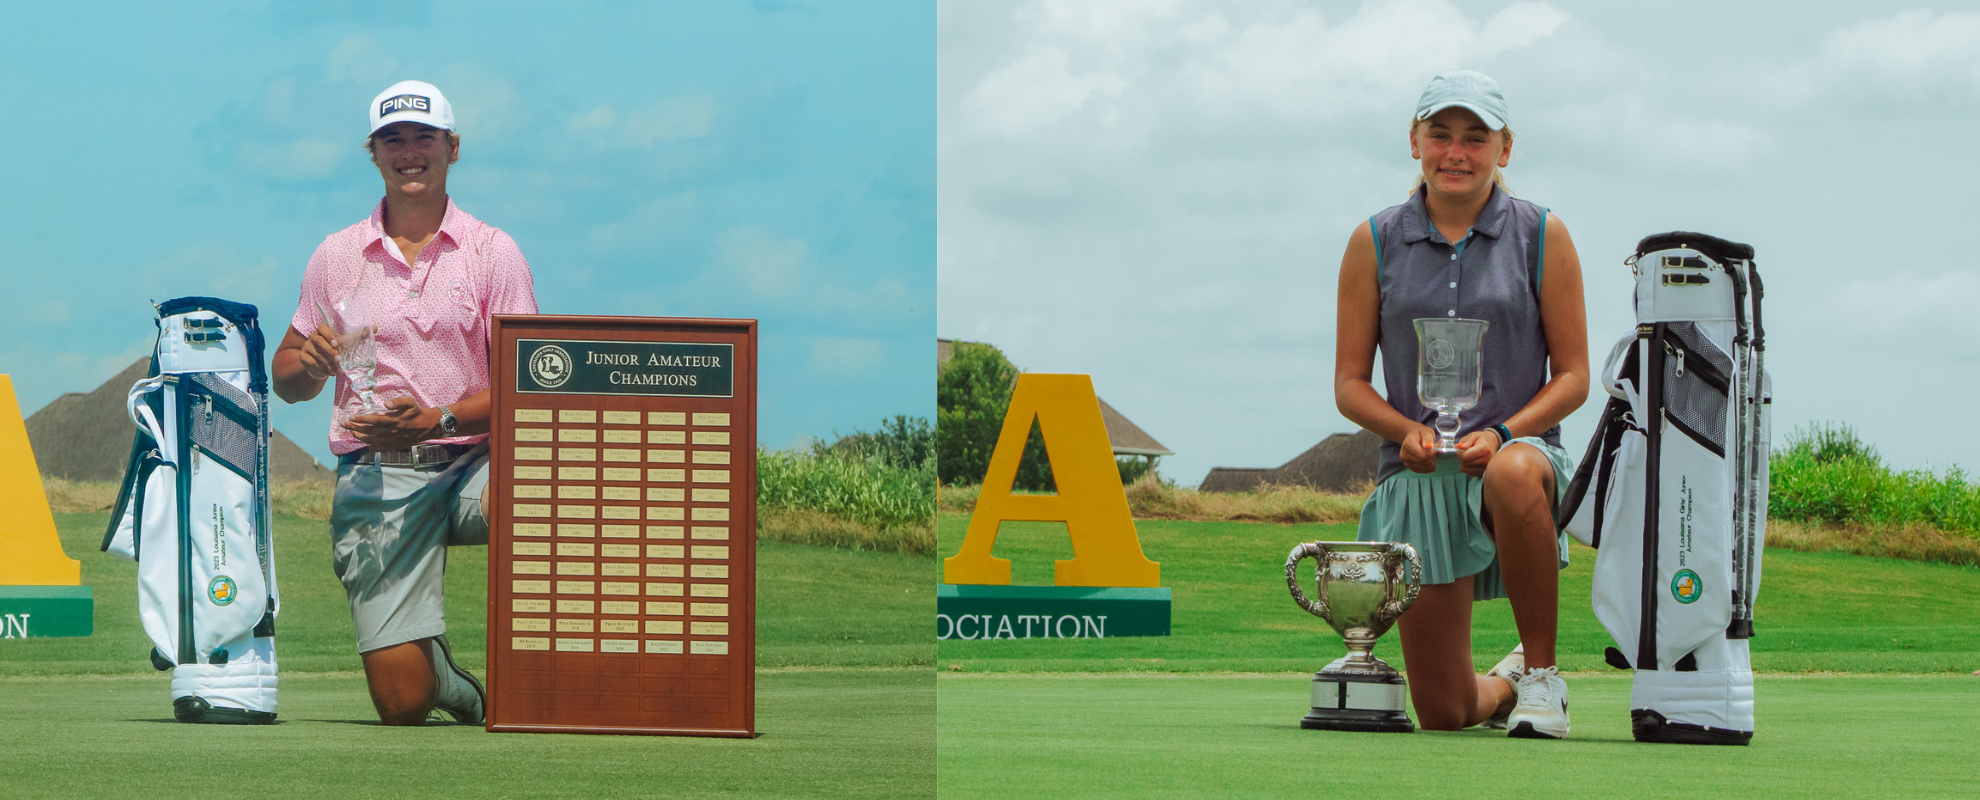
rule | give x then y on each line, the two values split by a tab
418	457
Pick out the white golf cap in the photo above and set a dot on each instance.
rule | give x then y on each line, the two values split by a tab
411	101
1473	91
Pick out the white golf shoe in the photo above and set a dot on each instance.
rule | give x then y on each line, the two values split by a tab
457	692
1509	669
1542	709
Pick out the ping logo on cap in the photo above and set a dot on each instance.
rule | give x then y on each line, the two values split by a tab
404	102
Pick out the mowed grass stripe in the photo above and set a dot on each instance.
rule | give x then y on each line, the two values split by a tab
837	733
817	607
1817	611
1238	736
845	698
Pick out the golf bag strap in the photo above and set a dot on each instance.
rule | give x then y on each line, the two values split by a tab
1594	469
132	486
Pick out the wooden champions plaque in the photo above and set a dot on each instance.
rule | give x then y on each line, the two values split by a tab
622	539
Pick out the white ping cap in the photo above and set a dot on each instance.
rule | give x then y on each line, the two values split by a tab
411	101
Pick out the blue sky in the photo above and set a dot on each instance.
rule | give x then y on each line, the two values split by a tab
772	160
1158	193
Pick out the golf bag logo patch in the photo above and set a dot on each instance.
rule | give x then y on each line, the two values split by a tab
551	366
221	590
1441	354
1686	587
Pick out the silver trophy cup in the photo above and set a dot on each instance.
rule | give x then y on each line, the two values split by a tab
1360	589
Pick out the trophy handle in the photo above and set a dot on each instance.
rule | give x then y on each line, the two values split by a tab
1401	552
1318	552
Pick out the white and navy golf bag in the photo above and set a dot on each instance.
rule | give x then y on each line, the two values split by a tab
1673	490
193	512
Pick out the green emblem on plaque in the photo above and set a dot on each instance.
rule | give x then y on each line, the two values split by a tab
221	590
550	366
1686	587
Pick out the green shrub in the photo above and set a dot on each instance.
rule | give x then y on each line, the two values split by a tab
972	393
852	487
1826	474
903	441
1133	467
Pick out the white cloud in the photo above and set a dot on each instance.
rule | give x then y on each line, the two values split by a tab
487	108
1210	65
294	161
218	269
1927	313
662	121
651	222
595	119
357	59
769	266
1909	44
846	358
1032	92
49	311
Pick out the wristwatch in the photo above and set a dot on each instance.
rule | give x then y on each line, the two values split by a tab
448	423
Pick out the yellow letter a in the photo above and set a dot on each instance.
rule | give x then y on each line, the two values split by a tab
1090	501
30	554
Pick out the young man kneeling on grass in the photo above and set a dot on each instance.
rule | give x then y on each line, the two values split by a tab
424	278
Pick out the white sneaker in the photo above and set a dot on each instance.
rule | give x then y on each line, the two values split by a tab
1510	669
1542	709
458	693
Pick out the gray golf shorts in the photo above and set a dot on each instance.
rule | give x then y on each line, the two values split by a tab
389	532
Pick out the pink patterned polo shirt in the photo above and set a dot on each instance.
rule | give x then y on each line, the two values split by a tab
432	316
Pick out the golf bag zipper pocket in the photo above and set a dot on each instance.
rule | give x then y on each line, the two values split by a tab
1694	359
221	429
1695	396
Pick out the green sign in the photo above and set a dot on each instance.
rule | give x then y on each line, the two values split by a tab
970	611
663	369
38	611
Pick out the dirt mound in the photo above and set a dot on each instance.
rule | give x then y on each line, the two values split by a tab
86	436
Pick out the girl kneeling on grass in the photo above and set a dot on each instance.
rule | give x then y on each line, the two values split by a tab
1482	520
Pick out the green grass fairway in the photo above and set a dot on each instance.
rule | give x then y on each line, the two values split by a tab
845	698
817	607
1818	612
1098	736
840	733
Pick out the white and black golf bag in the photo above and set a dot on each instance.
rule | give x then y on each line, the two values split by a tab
193	512
1673	490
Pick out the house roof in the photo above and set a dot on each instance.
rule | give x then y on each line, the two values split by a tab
1126	438
1339	463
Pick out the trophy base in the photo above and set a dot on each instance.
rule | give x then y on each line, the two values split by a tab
1358	702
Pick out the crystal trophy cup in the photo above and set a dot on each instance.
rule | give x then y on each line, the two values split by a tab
357	349
1447	376
1360	590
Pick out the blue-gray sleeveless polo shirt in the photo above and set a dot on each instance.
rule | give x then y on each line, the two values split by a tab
1493	275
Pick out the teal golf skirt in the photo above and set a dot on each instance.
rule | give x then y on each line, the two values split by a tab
1440	514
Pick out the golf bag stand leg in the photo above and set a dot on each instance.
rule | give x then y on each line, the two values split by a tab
1673	490
193	512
